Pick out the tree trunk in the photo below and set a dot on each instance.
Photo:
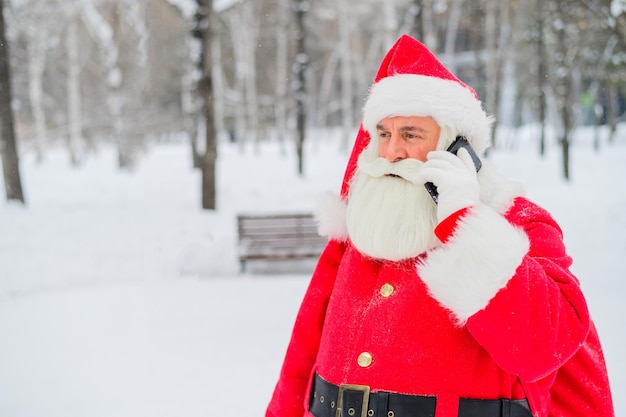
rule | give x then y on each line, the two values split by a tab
541	77
250	34
190	109
326	86
451	34
74	125
429	31
503	66
612	111
564	90
567	117
389	21
8	142
282	64
491	46
36	66
116	99
595	90
597	123
218	84
300	8
205	28
417	29
239	82
565	141
105	30
346	71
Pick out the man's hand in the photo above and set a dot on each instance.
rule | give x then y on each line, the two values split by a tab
455	178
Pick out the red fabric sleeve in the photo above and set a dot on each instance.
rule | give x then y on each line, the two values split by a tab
290	391
445	229
582	384
539	320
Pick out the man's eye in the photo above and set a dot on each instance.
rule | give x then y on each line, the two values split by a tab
383	134
410	136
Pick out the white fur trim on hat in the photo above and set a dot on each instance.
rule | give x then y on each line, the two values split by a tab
477	262
446	101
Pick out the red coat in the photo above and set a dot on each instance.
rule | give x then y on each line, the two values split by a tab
446	325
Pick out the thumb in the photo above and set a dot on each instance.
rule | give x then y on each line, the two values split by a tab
466	158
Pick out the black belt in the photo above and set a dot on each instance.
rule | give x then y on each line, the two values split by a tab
330	400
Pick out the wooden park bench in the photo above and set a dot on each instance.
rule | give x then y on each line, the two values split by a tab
278	237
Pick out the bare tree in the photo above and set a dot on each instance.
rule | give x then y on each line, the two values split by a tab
417	27
8	143
345	54
389	19
541	74
282	63
429	29
497	47
600	76
563	82
121	89
452	31
204	30
302	58
103	34
74	137
39	24
250	31
243	25
493	61
615	19
36	35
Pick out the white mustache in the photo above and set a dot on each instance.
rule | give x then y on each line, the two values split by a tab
380	167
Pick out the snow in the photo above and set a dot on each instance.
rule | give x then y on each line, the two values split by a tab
617	7
120	297
221	5
186	7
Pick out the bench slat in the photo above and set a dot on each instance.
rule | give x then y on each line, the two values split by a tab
280	236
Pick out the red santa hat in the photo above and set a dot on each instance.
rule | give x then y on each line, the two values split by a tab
411	81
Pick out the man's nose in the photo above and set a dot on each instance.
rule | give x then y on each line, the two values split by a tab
396	151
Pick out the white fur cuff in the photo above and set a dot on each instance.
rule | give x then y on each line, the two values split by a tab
330	215
478	261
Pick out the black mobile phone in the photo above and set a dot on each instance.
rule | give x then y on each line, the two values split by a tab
459	142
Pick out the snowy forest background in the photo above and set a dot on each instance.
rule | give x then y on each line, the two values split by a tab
135	72
120	295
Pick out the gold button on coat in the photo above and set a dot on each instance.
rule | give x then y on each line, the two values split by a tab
365	359
386	290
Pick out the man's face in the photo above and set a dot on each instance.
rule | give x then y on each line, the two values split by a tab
402	137
389	216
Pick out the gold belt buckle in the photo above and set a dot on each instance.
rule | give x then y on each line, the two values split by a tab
365	389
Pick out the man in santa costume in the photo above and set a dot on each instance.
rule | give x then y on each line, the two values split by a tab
462	308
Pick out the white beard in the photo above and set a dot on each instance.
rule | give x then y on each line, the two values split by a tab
388	217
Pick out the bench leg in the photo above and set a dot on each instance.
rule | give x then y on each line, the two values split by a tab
242	266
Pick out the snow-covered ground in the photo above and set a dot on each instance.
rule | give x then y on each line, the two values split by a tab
120	297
